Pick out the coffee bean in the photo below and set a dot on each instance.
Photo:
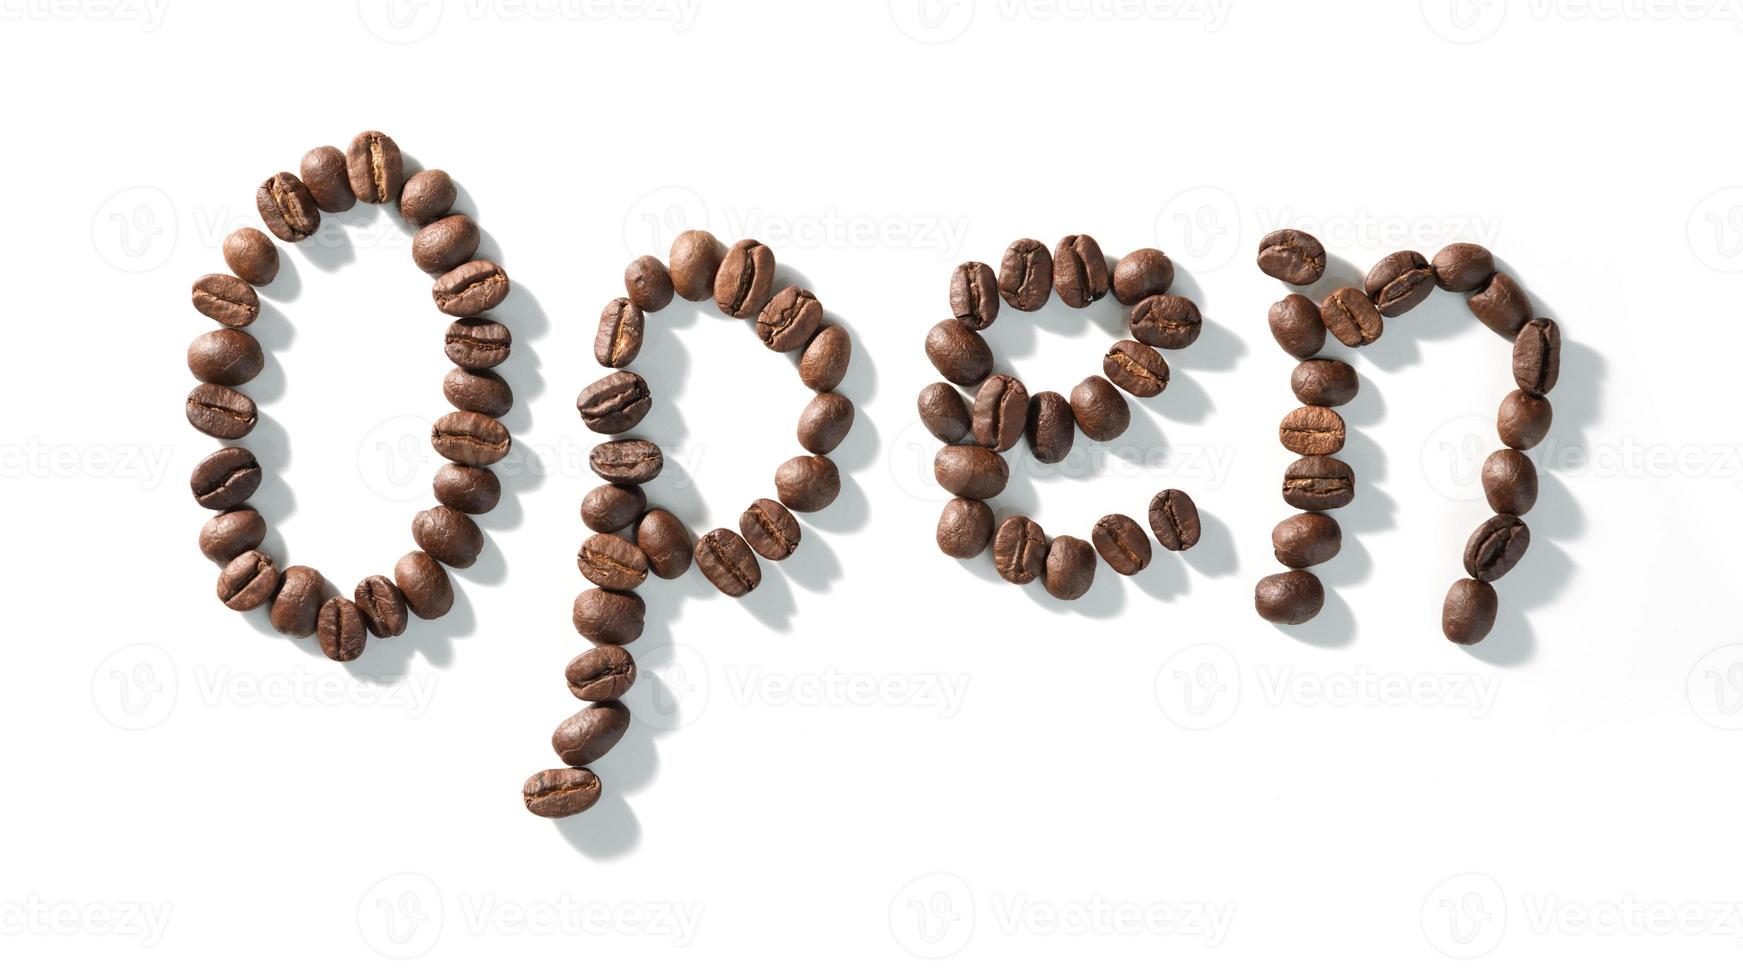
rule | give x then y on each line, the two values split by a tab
727	562
226	299
251	255
609	507
958	353
1523	419
231	533
483	392
604	673
1322	381
1398	282
1462	267
974	295
694	260
1306	539
426	196
1351	317
471	288
1051	427
287	208
323	170
770	529
1100	411
1296	325
297	607
1001	410
1070	569
1026	275
1019	550
375	167
648	284
445	243
666	542
745	279
468	489
1174	520
1501	305
1312	430
381	604
614	403
1121	543
1318	483
558	793
1289	598
424	583
247	581
609	617
1141	274
1509	482
225	478
965	527
476	344
611	562
1495	547
807	483
1080	271
339	626
1167	321
470	438
1136	368
621	328
1469	611
448	535
826	358
1293	256
626	461
943	412
975	472
1537	356
790	320
220	412
825	422
588	734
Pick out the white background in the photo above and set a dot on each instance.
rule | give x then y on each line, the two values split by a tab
881	761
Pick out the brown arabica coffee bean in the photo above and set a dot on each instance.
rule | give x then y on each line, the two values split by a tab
1293	256
1289	598
1019	550
1523	419
375	167
1070	568
807	483
1318	483
470	438
247	581
666	542
220	412
943	413
974	295
1306	539
445	243
1501	305
611	562
603	616
426	196
226	299
745	279
790	320
1026	275
1051	428
604	673
1001	411
483	392
621	328
614	403
958	353
476	344
297	607
1495	547
251	255
590	733
424	583
558	793
1398	282
1312	430
626	462
287	208
965	527
726	561
1136	367
323	170
648	284
1537	356
1468	614
609	507
448	535
1099	409
825	422
1296	325
1509	482
1140	274
826	358
1167	321
468	489
1121	543
1462	267
471	288
1351	317
1322	381
770	529
381	604
1174	520
1080	271
226	478
231	533
694	260
340	629
975	472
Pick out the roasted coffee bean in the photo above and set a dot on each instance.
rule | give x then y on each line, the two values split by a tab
975	472
603	616
1469	611
1001	410
445	243
825	422
477	344
1174	520
826	358
1351	317
943	413
220	412
1312	430
588	734
770	529
727	562
1121	543
694	260
483	392
323	170
339	626
958	353
1306	539
807	483
1100	411
1509	482
1289	598
226	299
1141	274
471	288
648	284
557	793
1051	428
448	535
231	533
1080	271
1070	568
1462	267
225	478
626	462
1293	256
1322	381
297	607
424	583
1537	357
609	507
1495	547
1318	483
604	673
745	279
381	604
1026	275
1019	550
426	196
251	255
614	403
247	581
790	320
974	295
1136	367
287	208
965	527
468	489
1167	321
621	328
1523	419
611	562
666	542
375	167
1398	282
1501	305
470	438
1296	325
